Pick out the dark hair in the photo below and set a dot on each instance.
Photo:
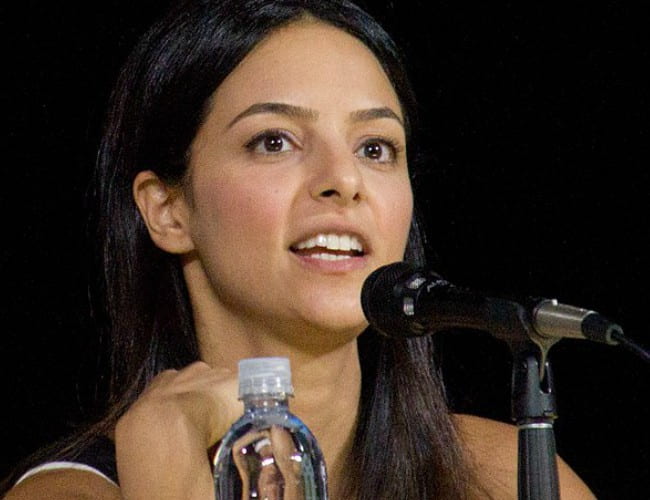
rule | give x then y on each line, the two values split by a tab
406	445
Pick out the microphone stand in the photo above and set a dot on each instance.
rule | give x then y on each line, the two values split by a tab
533	406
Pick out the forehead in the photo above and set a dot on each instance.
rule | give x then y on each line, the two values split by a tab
312	64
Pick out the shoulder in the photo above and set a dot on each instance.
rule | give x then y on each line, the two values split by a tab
86	471
65	484
492	449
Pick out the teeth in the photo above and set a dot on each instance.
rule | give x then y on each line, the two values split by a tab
318	241
345	242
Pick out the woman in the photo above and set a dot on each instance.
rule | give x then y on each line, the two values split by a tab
252	174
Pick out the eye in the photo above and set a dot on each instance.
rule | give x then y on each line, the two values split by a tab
379	150
270	142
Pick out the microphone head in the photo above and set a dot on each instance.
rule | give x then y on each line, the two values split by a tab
382	299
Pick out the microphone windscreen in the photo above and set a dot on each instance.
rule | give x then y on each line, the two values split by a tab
381	301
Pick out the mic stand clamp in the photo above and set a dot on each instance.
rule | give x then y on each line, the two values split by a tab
533	405
533	411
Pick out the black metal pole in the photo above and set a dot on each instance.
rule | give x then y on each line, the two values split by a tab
533	410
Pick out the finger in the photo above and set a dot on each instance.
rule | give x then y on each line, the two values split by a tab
251	437
286	455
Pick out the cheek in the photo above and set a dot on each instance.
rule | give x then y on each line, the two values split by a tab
397	208
236	214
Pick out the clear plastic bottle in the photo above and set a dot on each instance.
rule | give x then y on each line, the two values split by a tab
268	454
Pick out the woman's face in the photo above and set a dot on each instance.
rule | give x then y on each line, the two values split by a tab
299	185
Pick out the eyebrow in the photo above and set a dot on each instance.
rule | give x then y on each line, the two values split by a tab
364	115
300	112
277	108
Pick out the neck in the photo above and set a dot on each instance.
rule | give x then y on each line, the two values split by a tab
327	394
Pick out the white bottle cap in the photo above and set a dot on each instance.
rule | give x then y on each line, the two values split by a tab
264	376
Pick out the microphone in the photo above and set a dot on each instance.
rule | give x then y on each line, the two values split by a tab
402	301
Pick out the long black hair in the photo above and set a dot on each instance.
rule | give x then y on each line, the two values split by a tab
406	444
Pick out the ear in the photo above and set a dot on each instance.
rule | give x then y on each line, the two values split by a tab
165	212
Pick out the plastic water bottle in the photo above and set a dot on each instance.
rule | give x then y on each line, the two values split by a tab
268	454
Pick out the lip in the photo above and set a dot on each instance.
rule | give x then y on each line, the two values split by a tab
332	266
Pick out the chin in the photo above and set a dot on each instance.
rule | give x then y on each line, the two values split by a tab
341	330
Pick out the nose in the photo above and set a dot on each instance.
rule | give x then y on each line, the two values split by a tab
337	177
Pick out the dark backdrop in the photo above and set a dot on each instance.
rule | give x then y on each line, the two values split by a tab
534	119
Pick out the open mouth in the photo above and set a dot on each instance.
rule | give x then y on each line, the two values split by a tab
330	246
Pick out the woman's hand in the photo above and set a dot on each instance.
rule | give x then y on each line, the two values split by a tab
162	440
279	475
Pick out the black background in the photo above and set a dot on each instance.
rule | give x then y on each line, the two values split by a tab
534	119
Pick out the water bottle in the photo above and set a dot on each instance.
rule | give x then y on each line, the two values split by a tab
268	454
